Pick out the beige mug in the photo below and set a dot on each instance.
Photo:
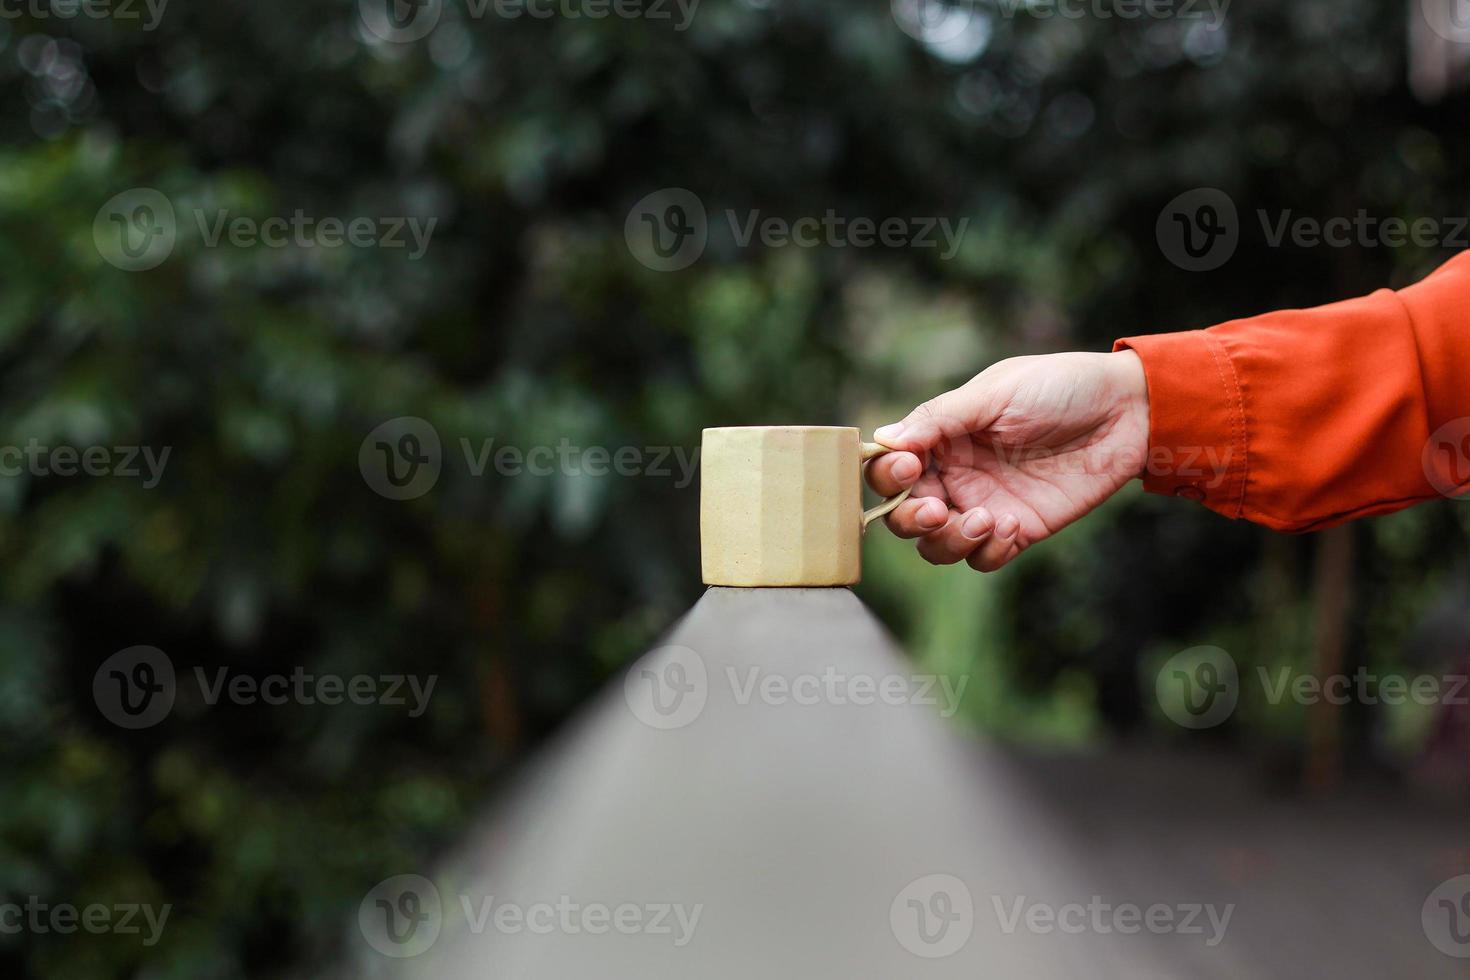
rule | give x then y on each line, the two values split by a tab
781	505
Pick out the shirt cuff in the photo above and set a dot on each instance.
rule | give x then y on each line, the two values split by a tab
1197	443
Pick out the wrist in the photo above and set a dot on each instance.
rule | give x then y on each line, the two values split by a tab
1130	387
1128	376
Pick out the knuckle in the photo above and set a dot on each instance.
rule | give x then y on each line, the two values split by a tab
939	413
901	526
936	554
989	558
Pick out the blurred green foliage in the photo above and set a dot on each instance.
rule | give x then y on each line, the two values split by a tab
528	322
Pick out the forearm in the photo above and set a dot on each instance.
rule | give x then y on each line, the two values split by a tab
1302	419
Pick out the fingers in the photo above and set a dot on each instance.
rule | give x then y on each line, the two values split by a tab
917	517
951	415
960	536
892	473
1002	546
947	536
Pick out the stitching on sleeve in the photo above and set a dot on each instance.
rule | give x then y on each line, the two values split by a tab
1238	423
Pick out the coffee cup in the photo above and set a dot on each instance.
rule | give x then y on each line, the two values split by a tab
781	505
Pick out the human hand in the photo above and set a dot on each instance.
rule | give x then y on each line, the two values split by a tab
1014	455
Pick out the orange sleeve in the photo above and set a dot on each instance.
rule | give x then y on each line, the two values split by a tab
1302	419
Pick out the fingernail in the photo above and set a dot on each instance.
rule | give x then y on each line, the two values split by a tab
887	433
906	469
932	516
976	526
1007	526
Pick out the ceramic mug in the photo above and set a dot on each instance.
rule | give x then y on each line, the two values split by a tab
781	505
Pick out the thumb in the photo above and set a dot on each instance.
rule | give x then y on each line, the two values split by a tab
952	415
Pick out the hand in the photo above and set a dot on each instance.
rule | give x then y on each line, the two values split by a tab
1014	455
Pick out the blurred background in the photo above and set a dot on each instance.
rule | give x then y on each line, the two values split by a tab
243	398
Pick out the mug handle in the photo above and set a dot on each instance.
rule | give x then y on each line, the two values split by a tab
872	450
